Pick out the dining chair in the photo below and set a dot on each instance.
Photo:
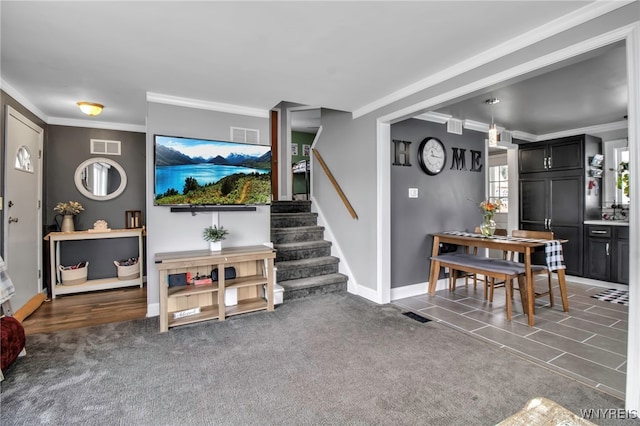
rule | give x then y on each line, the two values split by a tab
538	269
452	274
491	284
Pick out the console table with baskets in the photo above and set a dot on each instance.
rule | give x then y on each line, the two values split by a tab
56	238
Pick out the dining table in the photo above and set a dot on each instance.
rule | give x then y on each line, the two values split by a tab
525	246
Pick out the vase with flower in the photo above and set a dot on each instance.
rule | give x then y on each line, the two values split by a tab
68	211
489	209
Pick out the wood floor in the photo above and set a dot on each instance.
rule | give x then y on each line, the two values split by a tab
87	309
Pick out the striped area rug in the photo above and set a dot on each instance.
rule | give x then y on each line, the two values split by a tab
614	296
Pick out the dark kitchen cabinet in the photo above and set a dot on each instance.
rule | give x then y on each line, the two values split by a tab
607	253
565	154
550	203
598	251
554	194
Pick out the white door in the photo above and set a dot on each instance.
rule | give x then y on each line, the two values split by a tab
22	207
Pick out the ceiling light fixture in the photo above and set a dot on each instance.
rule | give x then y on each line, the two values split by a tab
493	129
90	108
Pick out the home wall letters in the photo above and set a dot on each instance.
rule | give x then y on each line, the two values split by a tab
458	159
401	156
401	150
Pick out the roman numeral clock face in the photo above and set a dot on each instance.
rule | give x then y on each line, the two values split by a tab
432	156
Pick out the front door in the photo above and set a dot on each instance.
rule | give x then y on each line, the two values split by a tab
22	207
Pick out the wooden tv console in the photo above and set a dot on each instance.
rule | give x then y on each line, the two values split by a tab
254	270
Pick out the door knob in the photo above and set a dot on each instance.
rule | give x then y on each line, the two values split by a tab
10	203
13	219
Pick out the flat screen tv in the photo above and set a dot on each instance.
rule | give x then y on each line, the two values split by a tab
205	172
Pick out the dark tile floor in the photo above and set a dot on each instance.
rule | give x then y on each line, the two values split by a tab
588	343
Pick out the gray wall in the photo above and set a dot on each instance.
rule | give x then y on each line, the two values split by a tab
169	232
65	149
446	201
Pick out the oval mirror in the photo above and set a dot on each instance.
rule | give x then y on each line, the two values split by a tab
100	179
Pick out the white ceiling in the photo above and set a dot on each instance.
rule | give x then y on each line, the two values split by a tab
332	54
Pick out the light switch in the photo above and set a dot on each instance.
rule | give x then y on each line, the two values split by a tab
413	192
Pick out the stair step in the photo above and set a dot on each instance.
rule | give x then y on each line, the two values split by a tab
305	268
295	289
302	250
303	258
287	220
296	234
295	206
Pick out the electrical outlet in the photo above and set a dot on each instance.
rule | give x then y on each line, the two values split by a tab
413	192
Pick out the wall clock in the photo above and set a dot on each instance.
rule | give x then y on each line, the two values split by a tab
432	156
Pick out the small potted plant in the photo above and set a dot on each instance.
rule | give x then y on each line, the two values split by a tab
214	235
67	211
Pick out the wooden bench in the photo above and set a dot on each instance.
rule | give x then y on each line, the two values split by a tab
506	270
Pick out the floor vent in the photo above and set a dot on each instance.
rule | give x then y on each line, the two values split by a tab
416	317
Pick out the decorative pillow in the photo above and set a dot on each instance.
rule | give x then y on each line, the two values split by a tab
12	340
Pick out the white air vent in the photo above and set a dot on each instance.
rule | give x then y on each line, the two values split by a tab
239	134
454	126
105	147
505	136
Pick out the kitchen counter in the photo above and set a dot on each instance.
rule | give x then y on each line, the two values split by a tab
607	222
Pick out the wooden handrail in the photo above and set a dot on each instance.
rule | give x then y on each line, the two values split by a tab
346	202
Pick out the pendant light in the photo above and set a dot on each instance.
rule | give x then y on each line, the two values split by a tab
493	129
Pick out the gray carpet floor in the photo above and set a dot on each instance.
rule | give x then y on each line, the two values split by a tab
332	359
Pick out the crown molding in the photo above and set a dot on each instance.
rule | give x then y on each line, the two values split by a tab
600	128
206	105
479	126
72	122
524	136
558	25
434	117
11	91
475	125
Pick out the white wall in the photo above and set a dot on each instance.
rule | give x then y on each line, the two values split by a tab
348	149
169	232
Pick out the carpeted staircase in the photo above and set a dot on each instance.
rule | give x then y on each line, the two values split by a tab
303	258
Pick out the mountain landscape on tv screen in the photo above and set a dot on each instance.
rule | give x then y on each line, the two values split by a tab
235	179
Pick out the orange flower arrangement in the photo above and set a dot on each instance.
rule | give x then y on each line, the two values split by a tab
489	208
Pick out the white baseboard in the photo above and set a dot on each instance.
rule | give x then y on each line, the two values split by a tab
417	289
153	310
366	292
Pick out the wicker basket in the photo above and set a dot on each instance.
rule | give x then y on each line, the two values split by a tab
129	272
74	276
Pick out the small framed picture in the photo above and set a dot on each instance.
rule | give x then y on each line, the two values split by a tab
306	150
294	149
